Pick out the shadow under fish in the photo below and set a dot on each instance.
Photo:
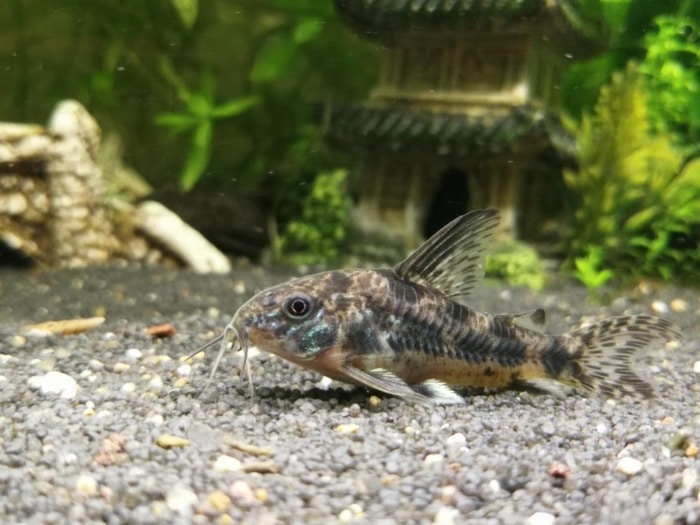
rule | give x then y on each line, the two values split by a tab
400	330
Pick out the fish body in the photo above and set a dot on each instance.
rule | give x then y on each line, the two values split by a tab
400	330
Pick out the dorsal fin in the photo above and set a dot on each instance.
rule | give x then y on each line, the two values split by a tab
451	261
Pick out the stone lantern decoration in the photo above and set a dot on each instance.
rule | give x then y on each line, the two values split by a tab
465	111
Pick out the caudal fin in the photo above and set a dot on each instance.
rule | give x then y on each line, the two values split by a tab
602	354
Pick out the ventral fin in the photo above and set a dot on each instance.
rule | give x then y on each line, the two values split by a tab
438	392
531	320
451	261
384	381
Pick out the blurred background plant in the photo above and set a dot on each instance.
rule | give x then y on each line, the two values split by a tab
240	86
639	202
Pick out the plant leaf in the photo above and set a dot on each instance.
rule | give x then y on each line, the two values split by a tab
187	10
307	29
274	61
234	107
198	156
177	122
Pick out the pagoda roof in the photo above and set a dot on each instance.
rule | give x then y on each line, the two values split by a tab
447	134
577	26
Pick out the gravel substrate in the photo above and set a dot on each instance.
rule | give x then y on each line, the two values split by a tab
110	426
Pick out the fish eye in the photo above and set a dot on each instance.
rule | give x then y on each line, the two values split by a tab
297	307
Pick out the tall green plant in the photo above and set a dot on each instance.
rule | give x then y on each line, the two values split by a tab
636	199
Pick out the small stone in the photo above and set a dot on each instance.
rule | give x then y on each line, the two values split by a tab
219	500
155	383
181	499
86	484
239	287
345	516
659	307
540	518
446	516
226	463
261	495
128	388
54	383
495	486
448	494
432	459
689	478
456	444
161	330
121	367
134	354
347	428
168	441
225	519
679	305
692	450
184	370
181	382
548	428
629	466
664	519
242	494
696	367
374	401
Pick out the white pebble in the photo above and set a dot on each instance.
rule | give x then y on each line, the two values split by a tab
3	381
446	516
86	484
456	444
155	419
156	383
602	428
129	388
242	494
689	479
495	486
134	354
324	383
540	518
226	463
696	367
548	428
659	307
54	383
184	370
432	459
629	466
181	499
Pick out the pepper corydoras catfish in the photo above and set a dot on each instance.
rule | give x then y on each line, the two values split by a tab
400	331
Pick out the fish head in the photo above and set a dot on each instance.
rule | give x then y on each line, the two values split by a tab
297	320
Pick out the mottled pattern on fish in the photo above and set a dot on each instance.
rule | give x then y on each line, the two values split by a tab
400	331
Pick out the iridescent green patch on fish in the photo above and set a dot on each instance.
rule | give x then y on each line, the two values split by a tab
400	330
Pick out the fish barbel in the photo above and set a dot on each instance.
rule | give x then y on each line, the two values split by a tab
399	330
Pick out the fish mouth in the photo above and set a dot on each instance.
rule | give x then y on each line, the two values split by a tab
235	338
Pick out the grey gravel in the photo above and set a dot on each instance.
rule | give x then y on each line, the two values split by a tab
93	457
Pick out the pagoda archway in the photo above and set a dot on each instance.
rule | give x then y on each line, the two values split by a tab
451	199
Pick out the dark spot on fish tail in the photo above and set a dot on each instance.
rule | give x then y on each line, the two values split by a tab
556	358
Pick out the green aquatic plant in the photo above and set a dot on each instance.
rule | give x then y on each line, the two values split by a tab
317	234
517	264
671	69
639	204
200	112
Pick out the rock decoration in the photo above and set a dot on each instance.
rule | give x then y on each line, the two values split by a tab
55	208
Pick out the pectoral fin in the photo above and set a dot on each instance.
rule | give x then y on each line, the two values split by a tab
428	392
